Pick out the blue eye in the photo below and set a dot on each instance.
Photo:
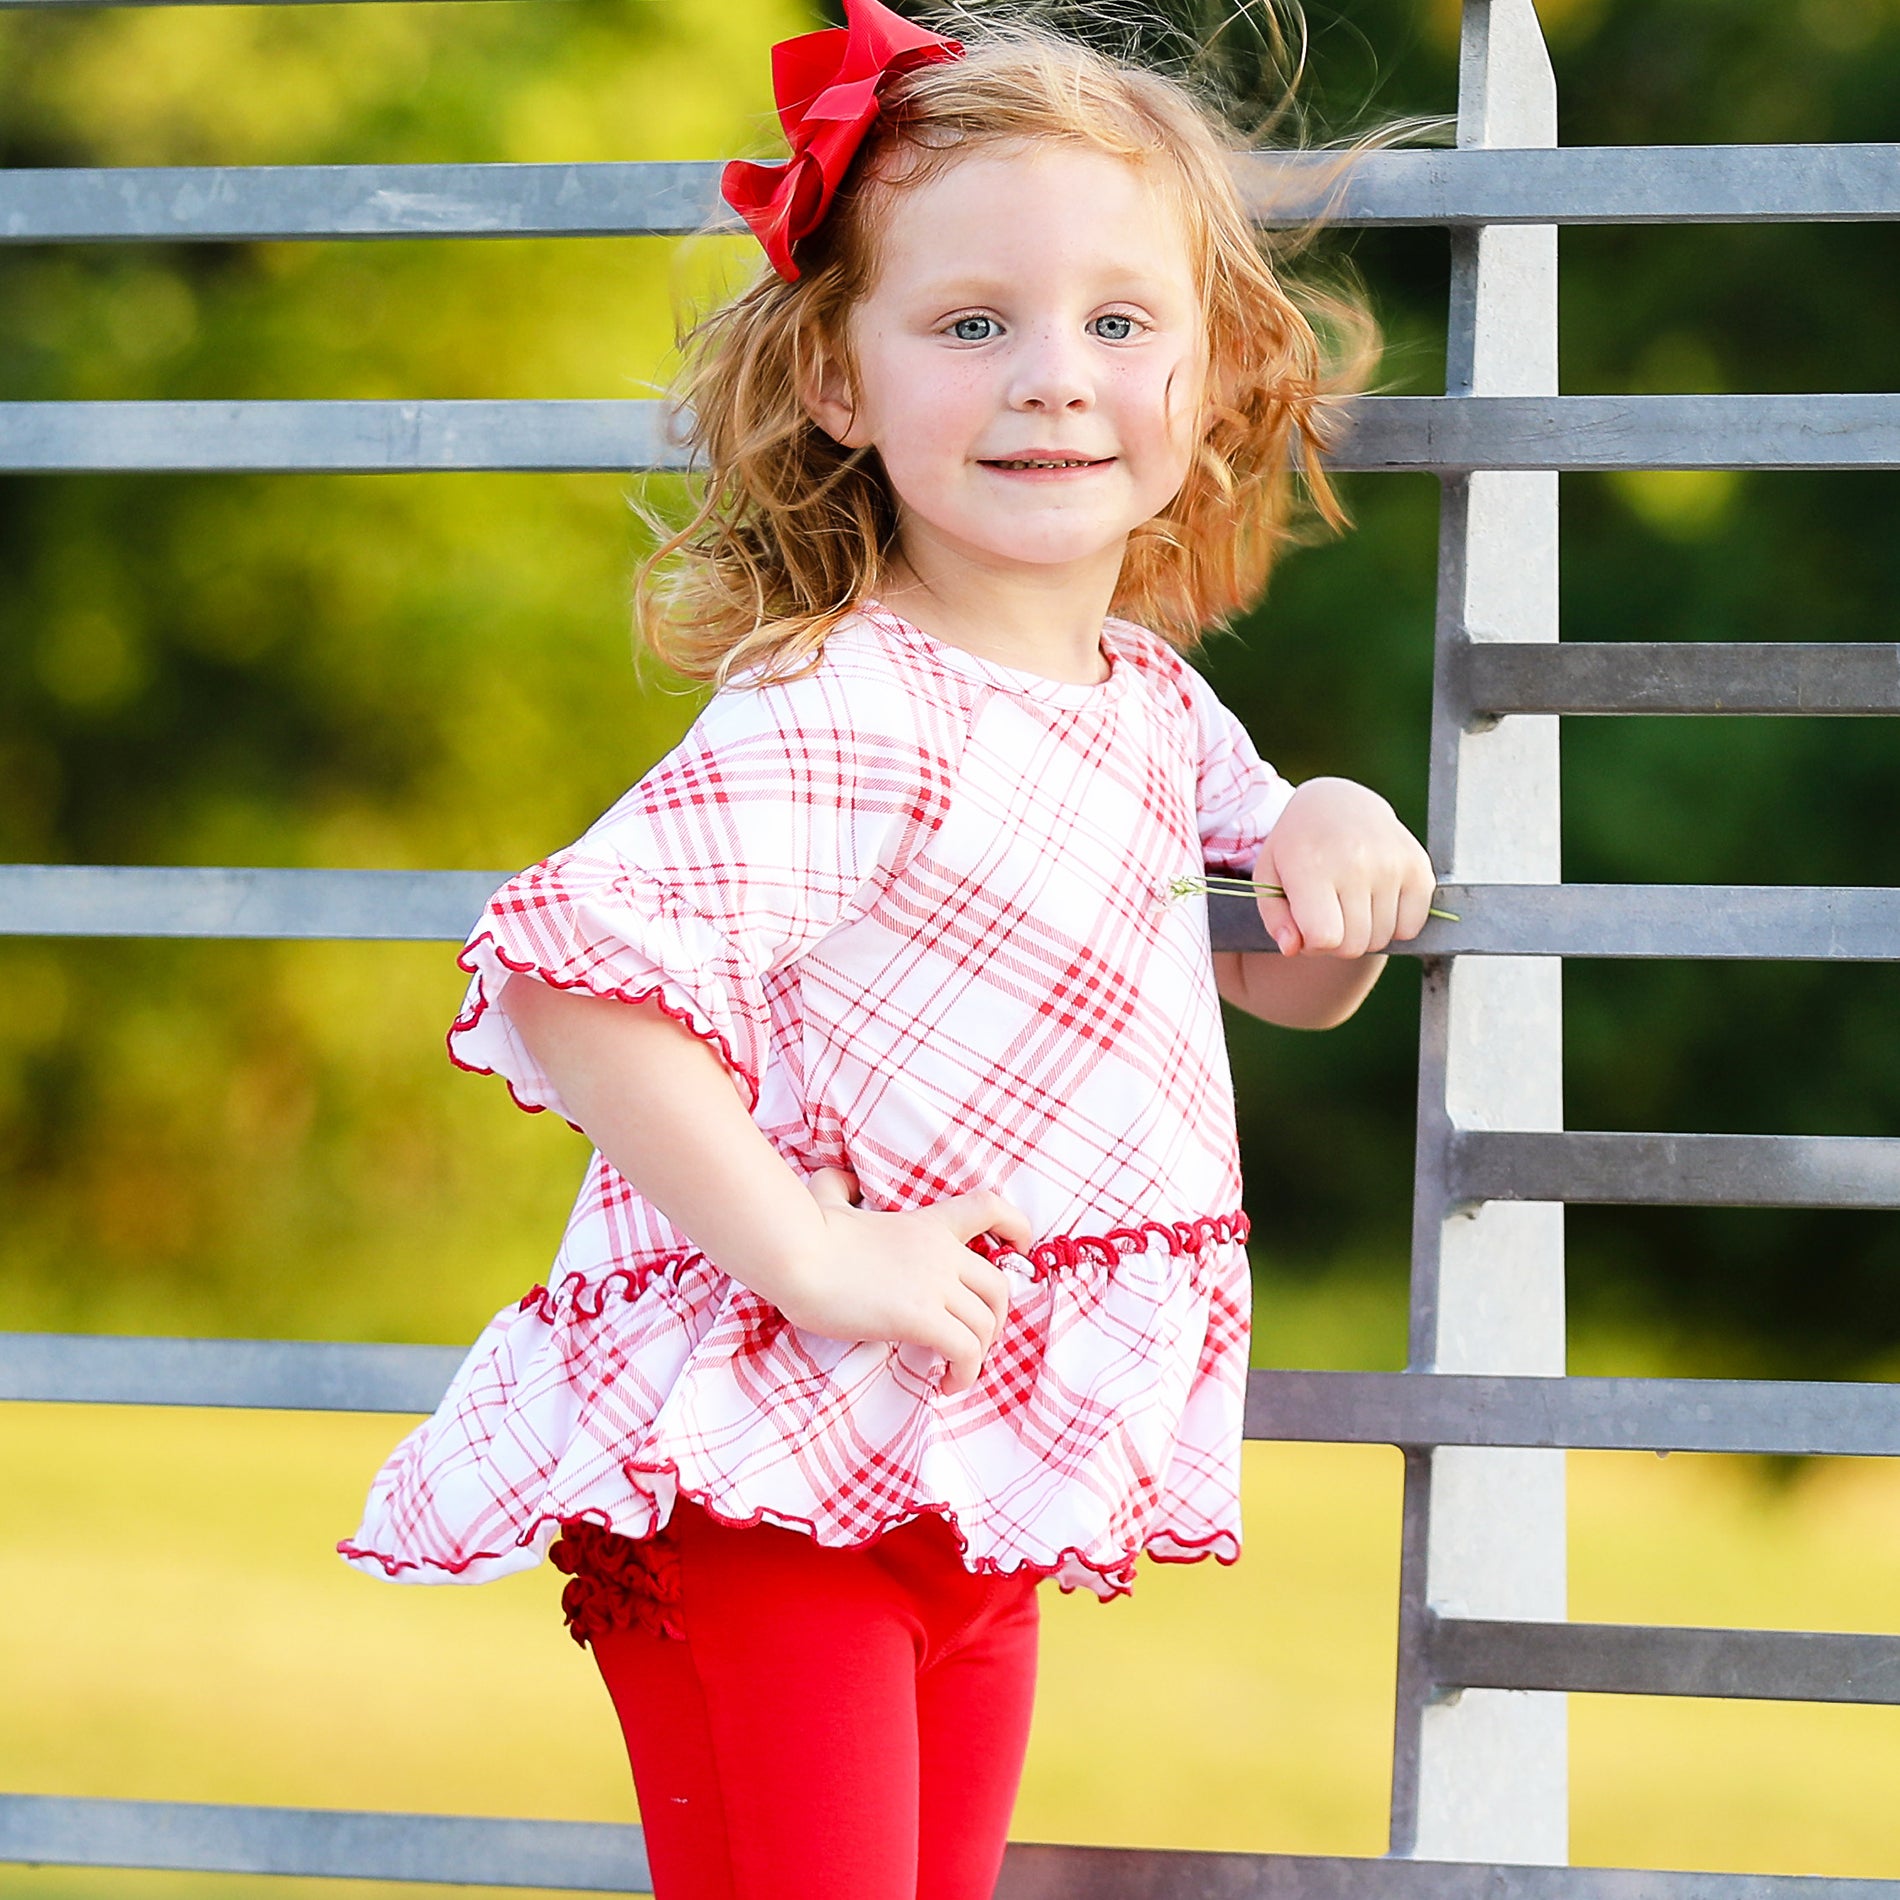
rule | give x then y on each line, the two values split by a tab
973	329
1115	327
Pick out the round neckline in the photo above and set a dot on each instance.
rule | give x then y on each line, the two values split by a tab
1010	679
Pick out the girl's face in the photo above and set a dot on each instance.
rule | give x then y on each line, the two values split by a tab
1029	364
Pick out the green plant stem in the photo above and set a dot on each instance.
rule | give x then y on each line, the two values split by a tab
1246	887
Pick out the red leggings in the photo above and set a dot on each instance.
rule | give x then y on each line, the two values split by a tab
826	1724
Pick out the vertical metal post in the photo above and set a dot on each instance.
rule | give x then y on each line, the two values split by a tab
1483	1775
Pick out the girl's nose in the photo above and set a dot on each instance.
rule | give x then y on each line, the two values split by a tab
1051	373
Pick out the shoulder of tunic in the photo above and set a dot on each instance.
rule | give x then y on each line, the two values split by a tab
867	728
866	692
1171	680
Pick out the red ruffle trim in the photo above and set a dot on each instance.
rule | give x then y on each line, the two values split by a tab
654	993
1061	1253
618	1583
588	1299
1119	1578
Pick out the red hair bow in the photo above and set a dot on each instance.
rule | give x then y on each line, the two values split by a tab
827	86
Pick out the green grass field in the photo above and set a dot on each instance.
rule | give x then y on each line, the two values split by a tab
176	1628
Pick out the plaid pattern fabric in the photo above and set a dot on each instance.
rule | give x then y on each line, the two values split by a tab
917	902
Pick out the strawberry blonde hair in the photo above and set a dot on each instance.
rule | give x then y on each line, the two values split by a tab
791	531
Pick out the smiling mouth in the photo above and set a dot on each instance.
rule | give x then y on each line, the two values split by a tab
1050	461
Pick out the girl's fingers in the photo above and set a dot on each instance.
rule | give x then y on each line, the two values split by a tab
1385	917
1355	933
964	1368
1415	903
974	1313
990	1284
1316	911
962	1348
1277	914
834	1187
984	1212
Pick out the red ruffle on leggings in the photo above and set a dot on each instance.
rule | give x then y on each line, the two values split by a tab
618	1583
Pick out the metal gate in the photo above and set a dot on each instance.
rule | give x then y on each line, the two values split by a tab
1484	1413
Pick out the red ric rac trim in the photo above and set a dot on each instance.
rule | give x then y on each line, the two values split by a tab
588	1300
1117	1575
1061	1253
653	993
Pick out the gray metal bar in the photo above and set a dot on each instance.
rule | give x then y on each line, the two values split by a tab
286	1375
592	1857
1717	921
1794	923
338	438
1622	1659
1355	1408
1578	185
112	900
1490	679
1391	434
253	202
1676	1170
1423	1409
1103	1873
1575	433
1629	184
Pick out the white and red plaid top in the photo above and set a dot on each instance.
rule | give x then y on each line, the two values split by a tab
917	902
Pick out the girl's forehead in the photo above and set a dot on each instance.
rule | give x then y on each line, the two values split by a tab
1037	207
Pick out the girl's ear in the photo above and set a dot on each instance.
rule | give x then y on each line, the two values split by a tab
829	401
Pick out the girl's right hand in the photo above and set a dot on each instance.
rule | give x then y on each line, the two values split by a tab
908	1277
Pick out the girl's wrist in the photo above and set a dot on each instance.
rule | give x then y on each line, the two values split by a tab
784	1269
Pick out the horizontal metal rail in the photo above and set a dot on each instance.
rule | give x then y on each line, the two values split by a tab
460	1850
1456	434
1389	434
1343	1408
1753	184
1796	923
113	900
285	1375
1423	1409
1487	679
1675	1170
336	438
1600	184
1630	1659
1717	922
1107	1873
589	1857
251	203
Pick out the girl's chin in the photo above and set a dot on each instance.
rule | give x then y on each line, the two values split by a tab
1061	547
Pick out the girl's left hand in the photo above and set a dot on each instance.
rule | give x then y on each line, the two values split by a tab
1355	878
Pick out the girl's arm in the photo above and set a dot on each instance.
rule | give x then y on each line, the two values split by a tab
1355	879
1305	992
659	1105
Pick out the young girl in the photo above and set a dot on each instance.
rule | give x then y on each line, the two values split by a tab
911	1266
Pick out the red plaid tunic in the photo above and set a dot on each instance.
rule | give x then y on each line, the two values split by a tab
917	902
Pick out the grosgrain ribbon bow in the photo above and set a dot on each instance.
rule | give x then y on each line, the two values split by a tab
827	86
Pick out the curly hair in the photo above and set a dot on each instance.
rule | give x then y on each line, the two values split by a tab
791	531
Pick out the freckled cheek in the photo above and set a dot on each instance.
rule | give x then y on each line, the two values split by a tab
1159	406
